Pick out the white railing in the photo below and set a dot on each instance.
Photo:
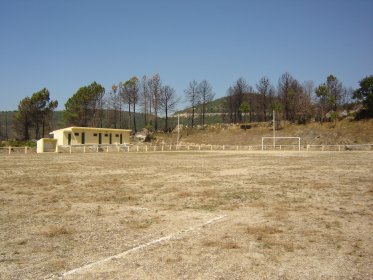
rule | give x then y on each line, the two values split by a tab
280	137
205	147
346	147
17	150
186	148
92	148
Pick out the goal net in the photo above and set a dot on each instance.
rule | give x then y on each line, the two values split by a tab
280	143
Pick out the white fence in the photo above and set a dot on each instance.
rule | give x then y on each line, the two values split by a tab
17	150
150	148
170	148
186	148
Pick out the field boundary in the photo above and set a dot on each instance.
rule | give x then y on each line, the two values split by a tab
204	147
158	241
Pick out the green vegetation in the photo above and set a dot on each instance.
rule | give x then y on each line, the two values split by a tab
84	108
34	112
14	143
365	94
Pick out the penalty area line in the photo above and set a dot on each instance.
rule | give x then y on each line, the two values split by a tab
142	246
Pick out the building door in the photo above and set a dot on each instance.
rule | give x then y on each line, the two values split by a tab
100	138
110	139
83	137
121	138
69	139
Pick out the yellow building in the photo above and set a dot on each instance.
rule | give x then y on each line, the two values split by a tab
91	136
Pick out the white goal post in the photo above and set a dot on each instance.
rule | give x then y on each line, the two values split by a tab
274	141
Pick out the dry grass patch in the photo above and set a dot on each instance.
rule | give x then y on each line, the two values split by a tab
57	230
223	244
140	223
262	230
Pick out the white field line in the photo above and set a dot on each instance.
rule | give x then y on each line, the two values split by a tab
142	246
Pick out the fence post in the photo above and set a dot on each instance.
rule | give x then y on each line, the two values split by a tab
188	147
10	149
25	149
339	147
83	149
97	149
118	148
162	148
223	148
199	147
155	148
211	147
107	149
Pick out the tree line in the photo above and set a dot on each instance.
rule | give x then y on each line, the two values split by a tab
149	98
295	101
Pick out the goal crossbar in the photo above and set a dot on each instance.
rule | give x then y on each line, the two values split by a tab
279	137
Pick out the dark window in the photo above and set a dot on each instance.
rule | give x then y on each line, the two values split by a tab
106	135
76	133
94	134
83	137
116	135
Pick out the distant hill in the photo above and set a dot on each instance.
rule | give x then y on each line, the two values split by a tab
215	106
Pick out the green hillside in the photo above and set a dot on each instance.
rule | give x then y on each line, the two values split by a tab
215	106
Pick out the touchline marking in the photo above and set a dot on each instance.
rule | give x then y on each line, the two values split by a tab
142	246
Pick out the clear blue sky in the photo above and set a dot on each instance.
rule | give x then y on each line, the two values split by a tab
63	45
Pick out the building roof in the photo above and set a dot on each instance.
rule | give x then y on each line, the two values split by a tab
98	129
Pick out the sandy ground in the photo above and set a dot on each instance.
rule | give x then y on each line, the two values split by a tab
195	215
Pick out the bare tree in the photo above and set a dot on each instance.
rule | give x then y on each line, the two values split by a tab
168	101
192	96
155	86
284	91
230	103
264	88
120	103
240	88
126	99
303	107
334	91
113	106
144	97
309	89
206	95
289	90
347	97
134	92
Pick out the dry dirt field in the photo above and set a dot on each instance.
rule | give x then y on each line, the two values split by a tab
187	215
